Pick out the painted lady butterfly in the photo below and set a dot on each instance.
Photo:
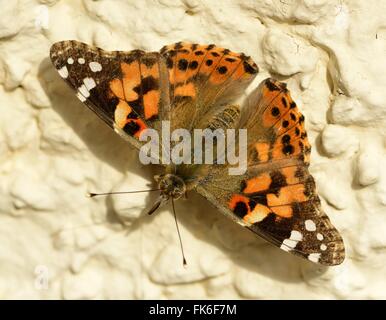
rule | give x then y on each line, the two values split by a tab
193	86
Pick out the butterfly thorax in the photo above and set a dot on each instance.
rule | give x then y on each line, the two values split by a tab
171	185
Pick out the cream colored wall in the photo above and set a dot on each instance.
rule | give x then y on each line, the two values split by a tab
332	54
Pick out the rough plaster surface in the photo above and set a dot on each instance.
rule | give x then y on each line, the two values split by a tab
56	243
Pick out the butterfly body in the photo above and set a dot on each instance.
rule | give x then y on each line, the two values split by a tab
194	87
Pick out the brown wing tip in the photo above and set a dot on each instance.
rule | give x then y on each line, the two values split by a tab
337	255
275	85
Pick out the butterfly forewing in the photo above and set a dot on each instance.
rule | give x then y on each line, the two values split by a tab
128	90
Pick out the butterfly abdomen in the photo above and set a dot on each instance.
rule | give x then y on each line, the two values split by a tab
224	117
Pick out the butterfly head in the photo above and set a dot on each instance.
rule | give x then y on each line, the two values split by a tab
171	186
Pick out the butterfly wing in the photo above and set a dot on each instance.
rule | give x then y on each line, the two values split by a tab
203	77
276	197
128	90
204	81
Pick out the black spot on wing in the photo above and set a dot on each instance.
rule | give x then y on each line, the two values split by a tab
169	63
131	128
222	70
178	45
284	101
286	139
275	111
183	64
277	181
193	65
250	69
288	149
136	105
241	209
149	61
147	84
271	86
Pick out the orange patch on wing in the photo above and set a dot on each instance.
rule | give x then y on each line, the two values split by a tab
150	103
262	149
224	70
287	195
187	89
290	174
283	211
116	87
258	214
131	79
121	112
149	71
258	183
238	198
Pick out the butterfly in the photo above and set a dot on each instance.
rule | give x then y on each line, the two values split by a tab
195	86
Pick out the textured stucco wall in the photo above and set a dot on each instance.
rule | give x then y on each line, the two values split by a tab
53	150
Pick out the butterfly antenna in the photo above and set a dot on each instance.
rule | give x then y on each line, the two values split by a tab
179	236
91	194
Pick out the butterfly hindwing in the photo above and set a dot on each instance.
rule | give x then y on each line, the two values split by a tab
276	197
128	90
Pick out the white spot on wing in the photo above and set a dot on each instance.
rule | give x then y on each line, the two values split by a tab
89	83
83	91
296	235
292	241
323	247
70	60
81	61
310	225
319	236
80	97
314	257
285	245
95	66
63	72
